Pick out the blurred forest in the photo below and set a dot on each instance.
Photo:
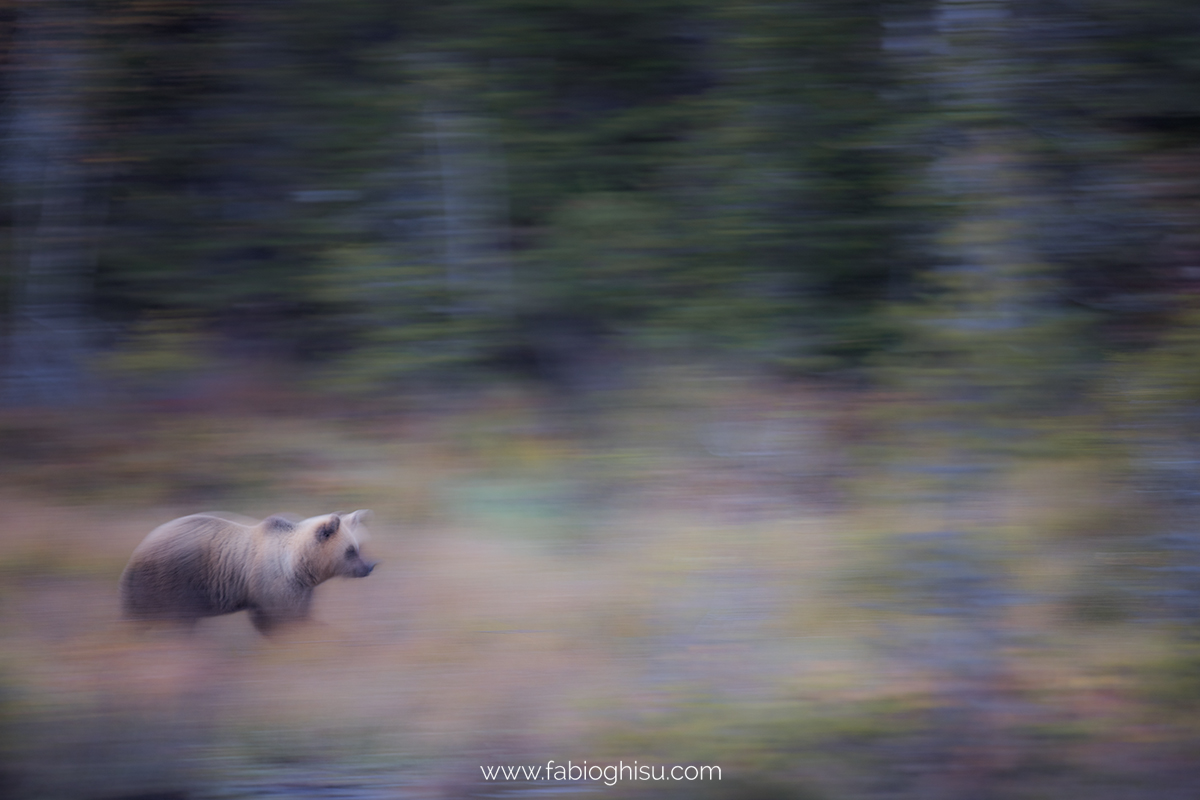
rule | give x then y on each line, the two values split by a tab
817	379
374	192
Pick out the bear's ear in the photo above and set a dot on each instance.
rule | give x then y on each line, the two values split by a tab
328	528
360	517
277	524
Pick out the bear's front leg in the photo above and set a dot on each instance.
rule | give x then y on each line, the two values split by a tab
267	619
263	621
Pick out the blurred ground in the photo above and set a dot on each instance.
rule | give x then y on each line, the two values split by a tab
709	571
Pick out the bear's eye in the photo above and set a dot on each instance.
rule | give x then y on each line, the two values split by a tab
349	552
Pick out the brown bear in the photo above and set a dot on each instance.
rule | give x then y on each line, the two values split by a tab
205	565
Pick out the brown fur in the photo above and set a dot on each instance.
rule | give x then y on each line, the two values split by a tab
205	565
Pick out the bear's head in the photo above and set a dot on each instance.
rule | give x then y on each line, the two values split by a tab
330	547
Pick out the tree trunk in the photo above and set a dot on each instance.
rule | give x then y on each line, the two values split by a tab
48	329
472	187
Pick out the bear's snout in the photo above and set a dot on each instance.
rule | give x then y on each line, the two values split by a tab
363	568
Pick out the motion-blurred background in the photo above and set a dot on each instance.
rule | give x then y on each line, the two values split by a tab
807	388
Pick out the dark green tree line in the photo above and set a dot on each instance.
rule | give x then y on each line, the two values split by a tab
380	189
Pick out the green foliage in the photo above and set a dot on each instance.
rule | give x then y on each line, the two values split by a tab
390	190
1163	379
653	167
161	348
